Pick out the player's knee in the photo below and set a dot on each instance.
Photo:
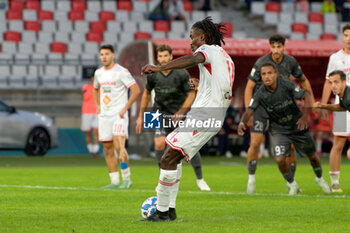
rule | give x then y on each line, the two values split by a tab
159	146
280	160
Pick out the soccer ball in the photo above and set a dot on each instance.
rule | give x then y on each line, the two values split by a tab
149	207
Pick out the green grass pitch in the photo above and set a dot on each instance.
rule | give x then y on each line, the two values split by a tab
63	194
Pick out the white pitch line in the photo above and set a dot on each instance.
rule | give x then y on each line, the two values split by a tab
189	192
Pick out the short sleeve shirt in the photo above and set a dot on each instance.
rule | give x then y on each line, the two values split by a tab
288	66
113	84
280	104
340	61
170	90
345	100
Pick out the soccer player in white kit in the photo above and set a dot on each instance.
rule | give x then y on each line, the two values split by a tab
214	91
112	106
338	61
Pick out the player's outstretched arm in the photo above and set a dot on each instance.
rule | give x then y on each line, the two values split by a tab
244	120
326	93
135	92
146	97
178	63
331	107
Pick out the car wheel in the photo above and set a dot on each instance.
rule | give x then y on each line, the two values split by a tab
38	142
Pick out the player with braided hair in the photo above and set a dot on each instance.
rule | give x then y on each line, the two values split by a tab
213	98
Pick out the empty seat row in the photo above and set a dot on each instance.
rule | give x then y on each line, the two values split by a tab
313	28
260	8
275	18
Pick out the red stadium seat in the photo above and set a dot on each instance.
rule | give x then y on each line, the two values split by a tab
142	35
94	37
58	47
299	27
76	15
97	27
273	7
14	15
229	28
16	5
32	26
315	17
124	5
33	5
45	15
12	36
188	6
106	15
161	25
78	5
328	36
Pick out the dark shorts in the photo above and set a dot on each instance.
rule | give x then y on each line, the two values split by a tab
302	140
260	121
162	132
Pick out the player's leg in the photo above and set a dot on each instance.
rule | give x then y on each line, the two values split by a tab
292	159
173	193
159	145
197	167
95	144
305	146
119	145
86	128
335	161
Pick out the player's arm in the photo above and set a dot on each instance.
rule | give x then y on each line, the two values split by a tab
95	95
303	120
305	84
178	63
248	92
244	120
146	97
331	107
135	92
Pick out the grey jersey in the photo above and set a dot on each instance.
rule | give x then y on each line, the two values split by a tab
288	66
171	90
345	100
280	104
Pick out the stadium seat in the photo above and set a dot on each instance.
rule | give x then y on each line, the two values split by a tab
140	7
97	27
287	7
124	5
330	18
62	36
19	71
90	48
29	36
22	59
315	28
76	15
48	26
258	8
12	36
161	25
299	28
229	28
93	36
15	25
159	35
273	7
33	5
81	26
47	5
55	58
60	16
315	17
271	18
137	16
175	35
58	47
71	59
328	36
32	26
41	48
126	37
16	5
75	47
93	6
284	29
188	6
311	36
146	26
316	7
300	17
9	47
286	18
130	27
25	48
13	15
65	26
110	37
297	36
29	15
91	16
69	70
108	5
106	16
331	28
122	16
63	6
78	5
5	71
197	15
215	15
77	36
87	59
142	35
239	35
45	15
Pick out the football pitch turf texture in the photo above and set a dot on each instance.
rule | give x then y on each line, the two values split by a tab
65	194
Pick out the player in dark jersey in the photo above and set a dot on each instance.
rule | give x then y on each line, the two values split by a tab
288	124
337	81
173	97
287	68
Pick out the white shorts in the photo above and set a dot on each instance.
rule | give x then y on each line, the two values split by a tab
341	122
112	126
88	122
188	143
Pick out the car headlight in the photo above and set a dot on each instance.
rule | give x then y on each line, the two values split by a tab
47	120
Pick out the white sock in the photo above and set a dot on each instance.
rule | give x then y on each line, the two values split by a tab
167	179
261	148
114	178
318	146
125	174
95	148
319	179
293	183
175	190
334	177
89	147
251	178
